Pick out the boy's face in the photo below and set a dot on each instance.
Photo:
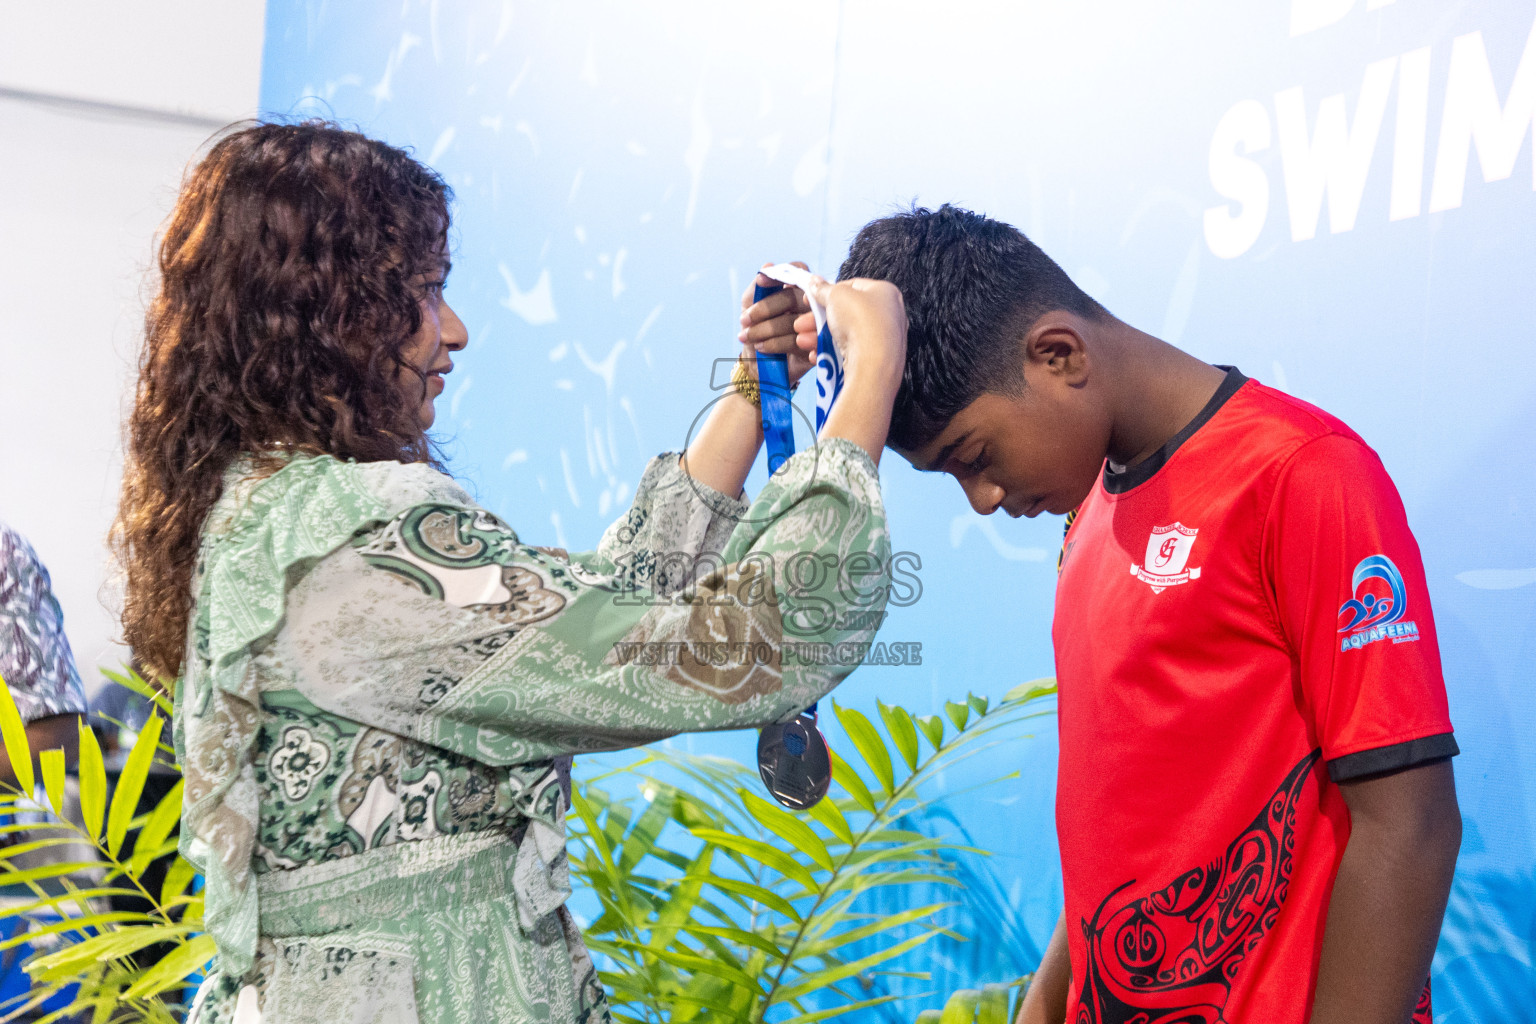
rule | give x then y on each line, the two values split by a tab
1039	452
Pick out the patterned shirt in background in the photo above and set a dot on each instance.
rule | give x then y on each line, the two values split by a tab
35	659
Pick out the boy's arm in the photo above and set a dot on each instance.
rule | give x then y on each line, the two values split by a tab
1046	1000
1389	895
1352	598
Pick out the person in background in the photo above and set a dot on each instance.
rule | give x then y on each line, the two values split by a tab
40	675
35	660
1255	805
380	684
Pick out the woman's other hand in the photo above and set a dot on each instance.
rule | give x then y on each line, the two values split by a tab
869	326
868	320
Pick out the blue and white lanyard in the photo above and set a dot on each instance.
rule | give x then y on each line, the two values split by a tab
779	437
773	371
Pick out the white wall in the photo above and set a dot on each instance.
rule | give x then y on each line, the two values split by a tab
200	57
101	107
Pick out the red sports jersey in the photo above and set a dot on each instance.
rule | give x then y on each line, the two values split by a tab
1238	618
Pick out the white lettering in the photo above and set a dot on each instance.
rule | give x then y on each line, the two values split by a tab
1238	178
1472	114
1408	147
1338	157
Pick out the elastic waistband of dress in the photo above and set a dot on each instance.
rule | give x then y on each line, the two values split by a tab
476	864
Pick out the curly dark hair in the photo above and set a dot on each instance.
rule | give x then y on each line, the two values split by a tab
289	288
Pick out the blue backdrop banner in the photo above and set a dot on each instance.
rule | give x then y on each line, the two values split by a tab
1336	196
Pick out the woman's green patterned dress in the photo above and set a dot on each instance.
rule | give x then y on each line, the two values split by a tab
384	686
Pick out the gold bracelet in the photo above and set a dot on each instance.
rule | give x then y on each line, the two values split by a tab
745	384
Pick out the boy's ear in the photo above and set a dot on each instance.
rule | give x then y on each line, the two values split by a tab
1054	344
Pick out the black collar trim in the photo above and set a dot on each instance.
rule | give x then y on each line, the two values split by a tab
1135	476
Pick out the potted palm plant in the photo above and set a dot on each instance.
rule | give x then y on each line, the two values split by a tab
715	905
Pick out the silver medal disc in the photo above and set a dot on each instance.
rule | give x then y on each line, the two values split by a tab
793	761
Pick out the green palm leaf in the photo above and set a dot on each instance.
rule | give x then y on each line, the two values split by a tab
130	784
992	1007
787	826
868	743
786	890
763	853
700	964
898	722
769	899
849	779
171	971
52	764
960	714
109	945
933	728
93	783
95	956
813	980
961	1007
884	923
827	813
717	906
72	925
838	1011
151	840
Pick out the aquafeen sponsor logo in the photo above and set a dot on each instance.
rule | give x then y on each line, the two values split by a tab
1377	607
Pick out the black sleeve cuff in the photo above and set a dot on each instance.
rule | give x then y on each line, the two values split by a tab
1394	758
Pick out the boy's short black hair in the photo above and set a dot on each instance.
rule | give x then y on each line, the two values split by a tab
972	287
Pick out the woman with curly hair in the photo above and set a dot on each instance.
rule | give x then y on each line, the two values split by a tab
379	683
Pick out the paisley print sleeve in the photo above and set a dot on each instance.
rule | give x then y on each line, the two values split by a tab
443	626
673	519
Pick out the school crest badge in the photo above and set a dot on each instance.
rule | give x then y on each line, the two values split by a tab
1167	554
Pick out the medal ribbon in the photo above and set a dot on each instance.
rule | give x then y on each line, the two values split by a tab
774	393
829	368
773	398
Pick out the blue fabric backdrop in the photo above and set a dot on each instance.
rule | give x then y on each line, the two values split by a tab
1334	195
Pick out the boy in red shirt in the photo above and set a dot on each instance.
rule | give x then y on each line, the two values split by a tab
1255	805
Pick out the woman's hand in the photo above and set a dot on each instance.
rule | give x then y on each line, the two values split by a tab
769	326
726	445
869	328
